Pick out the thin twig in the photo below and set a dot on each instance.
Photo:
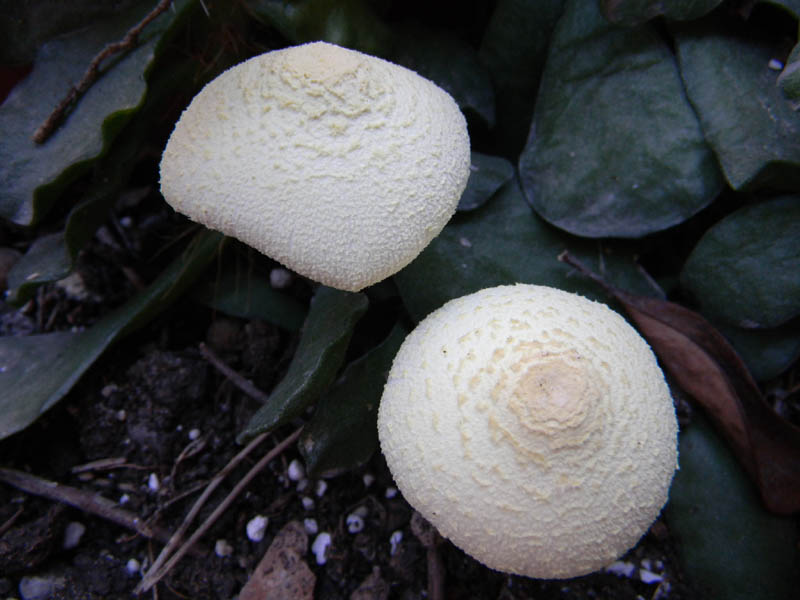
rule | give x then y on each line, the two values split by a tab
243	384
52	122
89	502
152	577
177	537
10	522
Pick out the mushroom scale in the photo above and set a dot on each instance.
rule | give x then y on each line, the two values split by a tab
339	165
532	427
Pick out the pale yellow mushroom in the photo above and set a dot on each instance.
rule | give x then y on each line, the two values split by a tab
339	165
532	427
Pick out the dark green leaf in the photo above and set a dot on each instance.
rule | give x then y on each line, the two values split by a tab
751	126
25	25
349	23
766	352
47	259
451	64
635	12
38	370
488	174
789	79
615	149
514	48
746	268
247	293
323	344
31	175
343	433
730	546
504	242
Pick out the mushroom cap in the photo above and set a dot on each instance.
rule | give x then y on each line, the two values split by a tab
339	165
532	427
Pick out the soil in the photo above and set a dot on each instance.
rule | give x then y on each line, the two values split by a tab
152	422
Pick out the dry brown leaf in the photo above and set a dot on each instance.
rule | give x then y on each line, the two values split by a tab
283	573
706	366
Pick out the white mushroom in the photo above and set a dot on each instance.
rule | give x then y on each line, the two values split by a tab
339	165
532	427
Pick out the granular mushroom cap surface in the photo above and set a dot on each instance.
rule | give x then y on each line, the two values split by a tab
532	427
340	165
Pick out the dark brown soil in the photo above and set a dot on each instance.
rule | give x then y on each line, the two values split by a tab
155	404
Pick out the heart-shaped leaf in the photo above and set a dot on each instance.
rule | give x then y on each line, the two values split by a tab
615	149
730	546
706	366
752	127
343	433
514	49
746	268
32	175
488	174
38	370
504	242
323	343
634	12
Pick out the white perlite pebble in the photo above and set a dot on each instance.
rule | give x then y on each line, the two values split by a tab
296	472
775	65
339	165
368	479
649	577
394	541
39	587
194	434
152	482
311	527
308	503
621	569
355	523
322	487
72	534
320	547
280	279
222	548
527	403
391	492
257	527
132	566
124	499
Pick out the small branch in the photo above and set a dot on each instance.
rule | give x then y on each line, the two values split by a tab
88	502
240	382
52	122
157	571
566	257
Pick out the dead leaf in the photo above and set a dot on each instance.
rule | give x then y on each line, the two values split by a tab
374	587
283	573
706	366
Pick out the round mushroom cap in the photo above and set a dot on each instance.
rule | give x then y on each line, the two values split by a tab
339	165
532	427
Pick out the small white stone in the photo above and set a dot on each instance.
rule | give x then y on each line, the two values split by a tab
391	492
280	278
308	503
355	523
465	242
153	483
621	569
132	566
73	533
775	64
257	527
222	548
296	471
124	499
649	577
320	547
302	485
121	415
194	434
126	222
108	390
394	541
311	527
322	487
369	479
